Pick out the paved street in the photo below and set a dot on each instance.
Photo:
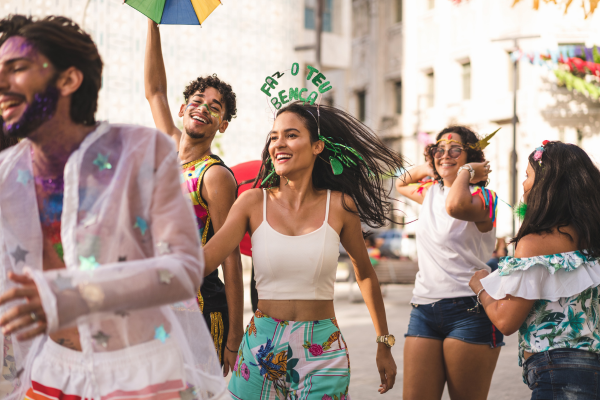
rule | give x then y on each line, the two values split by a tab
358	331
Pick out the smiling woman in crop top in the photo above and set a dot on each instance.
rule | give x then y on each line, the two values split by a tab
293	347
449	339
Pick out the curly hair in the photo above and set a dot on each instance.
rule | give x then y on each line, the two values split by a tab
565	192
66	45
200	85
467	136
363	183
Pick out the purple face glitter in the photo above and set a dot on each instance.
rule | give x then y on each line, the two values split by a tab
41	109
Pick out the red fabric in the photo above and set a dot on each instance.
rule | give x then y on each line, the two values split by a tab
244	172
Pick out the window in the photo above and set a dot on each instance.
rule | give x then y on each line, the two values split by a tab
466	81
361	100
310	10
430	4
398	10
398	96
430	88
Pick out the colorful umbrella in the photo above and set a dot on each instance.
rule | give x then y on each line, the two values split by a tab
175	12
244	172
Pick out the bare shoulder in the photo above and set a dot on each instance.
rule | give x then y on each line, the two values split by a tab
219	176
546	244
343	204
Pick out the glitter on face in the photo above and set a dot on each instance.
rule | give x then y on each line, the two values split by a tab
41	110
211	112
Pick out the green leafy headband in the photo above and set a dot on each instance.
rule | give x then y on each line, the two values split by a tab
291	94
341	154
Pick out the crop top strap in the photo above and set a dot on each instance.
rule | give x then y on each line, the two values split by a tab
327	206
264	204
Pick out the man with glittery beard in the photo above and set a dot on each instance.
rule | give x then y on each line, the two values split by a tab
99	256
210	104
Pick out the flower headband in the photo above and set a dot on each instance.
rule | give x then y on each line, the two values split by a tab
539	151
482	144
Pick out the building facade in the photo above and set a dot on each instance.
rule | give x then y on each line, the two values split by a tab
242	41
455	70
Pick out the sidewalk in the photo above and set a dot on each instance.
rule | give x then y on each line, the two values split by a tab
357	328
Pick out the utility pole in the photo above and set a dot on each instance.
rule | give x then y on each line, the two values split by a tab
319	32
515	119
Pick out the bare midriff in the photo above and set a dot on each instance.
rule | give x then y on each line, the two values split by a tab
297	310
527	354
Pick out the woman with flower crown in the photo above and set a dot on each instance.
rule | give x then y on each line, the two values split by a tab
322	175
449	339
548	291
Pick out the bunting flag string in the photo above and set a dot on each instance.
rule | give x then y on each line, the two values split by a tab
576	67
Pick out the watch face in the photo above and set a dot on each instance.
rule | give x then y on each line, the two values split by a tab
391	340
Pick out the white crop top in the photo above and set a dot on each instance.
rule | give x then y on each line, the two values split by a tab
295	267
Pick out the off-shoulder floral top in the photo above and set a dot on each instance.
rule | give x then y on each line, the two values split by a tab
570	322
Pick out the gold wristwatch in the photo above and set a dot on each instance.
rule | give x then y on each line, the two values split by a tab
388	340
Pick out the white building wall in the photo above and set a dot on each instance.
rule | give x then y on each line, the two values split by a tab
439	39
242	41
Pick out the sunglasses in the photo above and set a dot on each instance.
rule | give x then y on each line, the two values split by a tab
453	152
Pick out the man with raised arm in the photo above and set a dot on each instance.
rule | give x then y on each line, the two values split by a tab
100	261
210	104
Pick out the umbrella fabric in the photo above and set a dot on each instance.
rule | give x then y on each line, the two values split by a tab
175	12
244	172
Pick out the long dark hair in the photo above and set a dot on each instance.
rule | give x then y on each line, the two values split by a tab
363	183
565	191
66	45
468	137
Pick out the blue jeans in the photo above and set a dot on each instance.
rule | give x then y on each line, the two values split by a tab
456	318
563	374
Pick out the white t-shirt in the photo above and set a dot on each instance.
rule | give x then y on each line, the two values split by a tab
449	251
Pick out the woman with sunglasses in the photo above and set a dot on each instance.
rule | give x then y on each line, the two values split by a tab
450	339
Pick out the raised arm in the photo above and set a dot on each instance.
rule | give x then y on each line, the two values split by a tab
461	204
352	240
414	175
155	84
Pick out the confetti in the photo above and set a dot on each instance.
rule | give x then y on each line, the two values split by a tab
19	254
141	223
88	263
165	276
163	248
24	176
93	295
102	162
101	338
161	334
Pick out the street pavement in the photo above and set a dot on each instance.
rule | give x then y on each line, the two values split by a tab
357	328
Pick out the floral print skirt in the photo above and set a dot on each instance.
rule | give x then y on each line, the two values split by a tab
290	360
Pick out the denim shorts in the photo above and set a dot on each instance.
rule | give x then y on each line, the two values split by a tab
563	374
455	319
